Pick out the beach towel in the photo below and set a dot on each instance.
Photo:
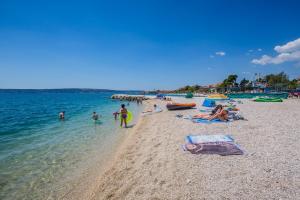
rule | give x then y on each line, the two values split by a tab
208	110
206	121
212	144
220	148
196	139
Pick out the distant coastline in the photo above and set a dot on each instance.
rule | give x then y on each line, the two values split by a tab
71	90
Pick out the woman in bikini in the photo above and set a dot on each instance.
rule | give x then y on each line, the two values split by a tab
123	113
217	113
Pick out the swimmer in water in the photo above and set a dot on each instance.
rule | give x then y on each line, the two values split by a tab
61	115
95	116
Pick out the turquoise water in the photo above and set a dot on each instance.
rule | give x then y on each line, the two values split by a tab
40	155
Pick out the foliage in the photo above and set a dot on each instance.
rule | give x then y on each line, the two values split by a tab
191	89
293	84
277	79
229	82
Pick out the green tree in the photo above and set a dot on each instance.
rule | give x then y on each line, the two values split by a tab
293	84
228	82
280	79
231	80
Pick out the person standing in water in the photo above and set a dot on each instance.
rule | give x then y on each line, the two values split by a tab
123	113
95	116
61	115
116	114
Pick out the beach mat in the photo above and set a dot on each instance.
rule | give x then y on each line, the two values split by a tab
206	121
219	148
196	139
212	144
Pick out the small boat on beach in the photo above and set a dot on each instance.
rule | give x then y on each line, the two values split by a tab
180	106
268	100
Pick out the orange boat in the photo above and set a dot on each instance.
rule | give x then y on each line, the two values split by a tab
180	106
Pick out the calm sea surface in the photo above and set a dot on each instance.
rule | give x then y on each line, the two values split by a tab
40	155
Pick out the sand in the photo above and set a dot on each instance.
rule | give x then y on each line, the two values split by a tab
150	163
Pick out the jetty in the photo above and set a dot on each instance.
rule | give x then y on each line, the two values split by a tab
128	97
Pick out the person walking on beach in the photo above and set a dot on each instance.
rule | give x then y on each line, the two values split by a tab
61	115
124	113
95	116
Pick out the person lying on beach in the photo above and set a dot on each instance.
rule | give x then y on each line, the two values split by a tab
155	109
123	112
217	113
95	116
61	115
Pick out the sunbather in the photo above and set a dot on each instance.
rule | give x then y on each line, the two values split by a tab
218	113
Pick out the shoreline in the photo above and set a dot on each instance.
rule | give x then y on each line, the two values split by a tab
151	165
86	187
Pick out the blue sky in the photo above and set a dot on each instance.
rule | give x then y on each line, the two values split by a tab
144	44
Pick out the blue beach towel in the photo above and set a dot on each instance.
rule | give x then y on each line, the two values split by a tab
205	121
196	139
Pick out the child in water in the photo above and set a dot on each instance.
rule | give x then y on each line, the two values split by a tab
116	114
95	116
123	113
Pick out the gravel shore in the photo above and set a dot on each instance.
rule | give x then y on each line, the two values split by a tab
150	164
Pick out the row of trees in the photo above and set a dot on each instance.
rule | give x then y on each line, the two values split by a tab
192	89
277	82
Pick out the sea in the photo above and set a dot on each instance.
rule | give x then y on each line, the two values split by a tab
42	157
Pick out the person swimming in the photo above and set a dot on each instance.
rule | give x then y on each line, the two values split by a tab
123	112
95	116
61	115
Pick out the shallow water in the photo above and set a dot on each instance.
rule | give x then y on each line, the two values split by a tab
39	153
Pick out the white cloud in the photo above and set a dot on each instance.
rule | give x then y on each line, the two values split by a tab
289	52
259	49
250	50
211	56
288	47
281	58
220	53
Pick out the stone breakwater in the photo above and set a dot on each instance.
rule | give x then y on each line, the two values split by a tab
129	97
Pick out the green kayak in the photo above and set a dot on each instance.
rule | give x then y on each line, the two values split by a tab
268	100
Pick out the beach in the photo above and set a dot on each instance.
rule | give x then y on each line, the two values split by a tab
150	163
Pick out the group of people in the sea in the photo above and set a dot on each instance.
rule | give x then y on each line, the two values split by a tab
95	116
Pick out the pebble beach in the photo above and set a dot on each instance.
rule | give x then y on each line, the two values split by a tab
150	163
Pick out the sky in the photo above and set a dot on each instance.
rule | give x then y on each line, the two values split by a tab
145	45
